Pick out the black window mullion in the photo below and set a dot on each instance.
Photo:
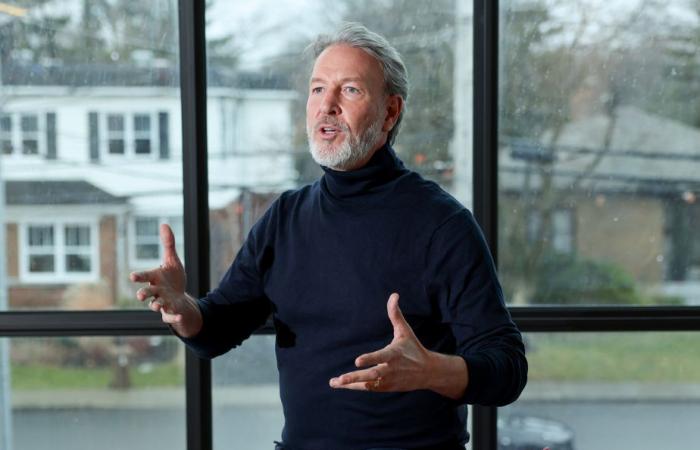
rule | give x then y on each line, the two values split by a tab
193	87
485	163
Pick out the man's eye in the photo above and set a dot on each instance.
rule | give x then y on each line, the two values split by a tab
316	90
352	90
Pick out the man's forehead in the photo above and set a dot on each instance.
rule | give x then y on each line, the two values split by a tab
350	63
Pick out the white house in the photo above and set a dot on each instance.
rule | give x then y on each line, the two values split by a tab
92	162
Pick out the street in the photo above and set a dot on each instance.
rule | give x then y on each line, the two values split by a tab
597	425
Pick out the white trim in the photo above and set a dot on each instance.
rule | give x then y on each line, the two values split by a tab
59	275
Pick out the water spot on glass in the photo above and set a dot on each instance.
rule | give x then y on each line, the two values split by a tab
660	258
616	219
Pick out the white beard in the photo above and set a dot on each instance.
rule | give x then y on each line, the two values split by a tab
352	150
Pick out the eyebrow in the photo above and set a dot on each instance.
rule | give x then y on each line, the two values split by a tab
320	80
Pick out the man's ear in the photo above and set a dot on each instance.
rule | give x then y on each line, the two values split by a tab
394	106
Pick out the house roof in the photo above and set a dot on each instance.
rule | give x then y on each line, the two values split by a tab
60	192
645	153
104	74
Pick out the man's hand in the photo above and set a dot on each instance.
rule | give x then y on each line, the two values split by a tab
167	288
405	365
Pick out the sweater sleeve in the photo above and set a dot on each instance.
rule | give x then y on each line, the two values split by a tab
462	280
238	306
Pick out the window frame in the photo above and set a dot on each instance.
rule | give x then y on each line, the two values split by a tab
17	137
129	135
192	45
60	274
170	219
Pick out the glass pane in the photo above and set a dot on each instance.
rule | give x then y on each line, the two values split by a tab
147	251
41	263
247	408
143	146
29	123
623	391
77	235
30	147
5	123
6	146
115	123
142	123
598	153
93	392
147	227
78	263
258	84
116	146
112	67
40	236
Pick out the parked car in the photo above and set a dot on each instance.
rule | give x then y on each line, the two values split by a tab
520	432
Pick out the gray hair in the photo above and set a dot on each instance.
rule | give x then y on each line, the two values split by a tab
356	35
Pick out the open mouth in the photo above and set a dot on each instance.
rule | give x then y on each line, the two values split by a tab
328	131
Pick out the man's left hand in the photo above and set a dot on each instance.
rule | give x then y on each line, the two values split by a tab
403	365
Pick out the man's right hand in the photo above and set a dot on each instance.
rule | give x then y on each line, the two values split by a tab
167	289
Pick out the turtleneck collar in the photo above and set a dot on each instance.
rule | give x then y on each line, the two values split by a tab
383	167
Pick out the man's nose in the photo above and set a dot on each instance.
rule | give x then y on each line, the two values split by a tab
329	104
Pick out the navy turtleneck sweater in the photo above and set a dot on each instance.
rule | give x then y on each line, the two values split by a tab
324	260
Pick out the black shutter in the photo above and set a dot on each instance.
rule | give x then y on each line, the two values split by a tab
94	137
163	135
51	136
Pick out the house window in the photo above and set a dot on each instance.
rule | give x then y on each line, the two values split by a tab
29	124
5	134
147	238
115	134
78	249
559	236
147	248
142	134
59	251
41	249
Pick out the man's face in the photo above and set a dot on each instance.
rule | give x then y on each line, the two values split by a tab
346	114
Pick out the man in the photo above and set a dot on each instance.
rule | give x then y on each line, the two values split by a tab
356	371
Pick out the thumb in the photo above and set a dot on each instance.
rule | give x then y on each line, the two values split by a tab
167	238
401	327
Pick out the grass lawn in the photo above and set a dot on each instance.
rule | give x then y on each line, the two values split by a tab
610	357
603	357
37	376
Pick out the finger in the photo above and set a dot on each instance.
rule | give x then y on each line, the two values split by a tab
401	327
168	317
147	276
379	357
358	376
355	386
148	292
167	238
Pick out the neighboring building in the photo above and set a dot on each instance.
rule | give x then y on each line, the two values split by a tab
631	184
92	161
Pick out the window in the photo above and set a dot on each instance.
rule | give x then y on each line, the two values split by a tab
115	134
142	134
30	134
57	251
557	235
146	249
127	134
6	134
41	248
77	242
